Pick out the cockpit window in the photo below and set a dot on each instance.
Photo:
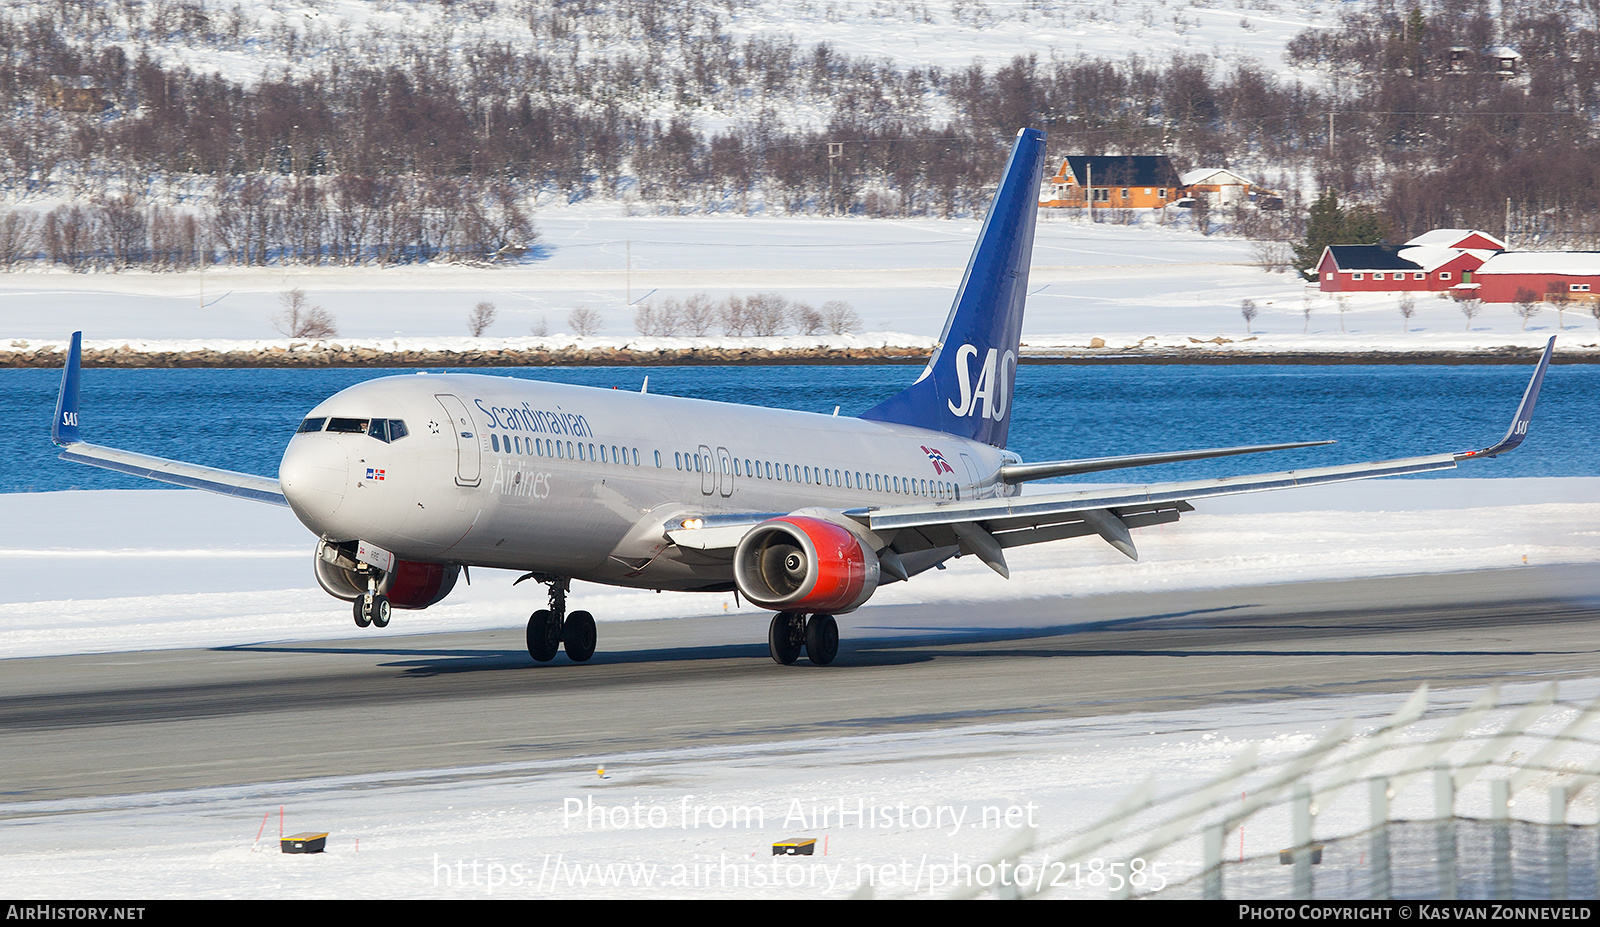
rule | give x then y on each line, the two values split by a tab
387	429
347	426
310	425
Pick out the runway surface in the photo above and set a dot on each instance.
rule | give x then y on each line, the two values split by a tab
380	702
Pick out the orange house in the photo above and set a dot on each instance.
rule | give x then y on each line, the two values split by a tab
1113	182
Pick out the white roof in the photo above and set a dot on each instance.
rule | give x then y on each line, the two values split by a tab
1219	175
1570	263
1501	51
1429	257
1448	237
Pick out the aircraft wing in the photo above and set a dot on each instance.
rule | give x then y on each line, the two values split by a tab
986	527
64	433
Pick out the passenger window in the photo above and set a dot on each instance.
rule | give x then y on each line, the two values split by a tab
494	442
310	425
658	460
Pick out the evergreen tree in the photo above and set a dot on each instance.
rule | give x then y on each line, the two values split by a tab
1327	223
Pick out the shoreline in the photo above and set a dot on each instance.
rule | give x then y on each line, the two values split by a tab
313	355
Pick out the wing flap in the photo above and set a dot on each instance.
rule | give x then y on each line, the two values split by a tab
1040	509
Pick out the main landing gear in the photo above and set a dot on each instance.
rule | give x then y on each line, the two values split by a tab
373	608
549	629
791	631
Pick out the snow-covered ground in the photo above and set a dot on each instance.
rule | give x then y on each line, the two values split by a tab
1124	285
93	571
947	34
699	822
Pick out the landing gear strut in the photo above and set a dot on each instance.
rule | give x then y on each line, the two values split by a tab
792	631
550	628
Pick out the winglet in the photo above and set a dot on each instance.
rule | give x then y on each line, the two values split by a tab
1519	422
64	430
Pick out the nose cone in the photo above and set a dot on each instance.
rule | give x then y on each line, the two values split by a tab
314	475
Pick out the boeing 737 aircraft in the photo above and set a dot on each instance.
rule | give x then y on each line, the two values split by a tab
407	480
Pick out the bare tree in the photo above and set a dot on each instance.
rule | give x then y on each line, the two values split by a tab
540	328
19	237
300	320
734	320
1306	306
1527	305
1343	303
840	317
1594	310
1273	255
585	321
699	314
766	313
1248	310
808	320
481	318
1558	295
1470	306
1408	308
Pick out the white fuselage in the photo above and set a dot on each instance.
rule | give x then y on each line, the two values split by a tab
581	482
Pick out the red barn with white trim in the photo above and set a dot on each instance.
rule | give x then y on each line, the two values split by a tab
1436	260
1576	274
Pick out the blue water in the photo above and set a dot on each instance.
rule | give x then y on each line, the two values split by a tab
240	419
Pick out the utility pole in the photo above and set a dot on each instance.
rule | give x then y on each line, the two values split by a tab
835	151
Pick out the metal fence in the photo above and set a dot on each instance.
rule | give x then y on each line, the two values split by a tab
1533	749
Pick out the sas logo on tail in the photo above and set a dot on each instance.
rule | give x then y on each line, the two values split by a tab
993	391
374	474
940	465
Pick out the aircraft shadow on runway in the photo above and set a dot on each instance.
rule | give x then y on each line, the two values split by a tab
1227	631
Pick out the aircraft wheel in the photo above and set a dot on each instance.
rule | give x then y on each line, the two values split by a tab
822	639
381	611
362	618
578	636
785	636
544	635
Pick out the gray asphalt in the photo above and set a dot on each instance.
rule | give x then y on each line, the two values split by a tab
137	722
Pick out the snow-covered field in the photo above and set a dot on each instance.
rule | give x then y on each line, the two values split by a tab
95	571
1124	285
922	814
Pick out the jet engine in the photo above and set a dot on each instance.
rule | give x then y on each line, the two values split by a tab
803	564
411	584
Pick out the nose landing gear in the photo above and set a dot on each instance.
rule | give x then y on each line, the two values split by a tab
549	629
792	631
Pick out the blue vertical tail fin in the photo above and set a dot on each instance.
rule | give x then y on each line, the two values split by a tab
966	388
64	430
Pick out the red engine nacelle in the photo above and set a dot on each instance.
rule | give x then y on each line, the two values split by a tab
411	584
796	563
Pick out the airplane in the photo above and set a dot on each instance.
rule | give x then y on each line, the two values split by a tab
407	481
